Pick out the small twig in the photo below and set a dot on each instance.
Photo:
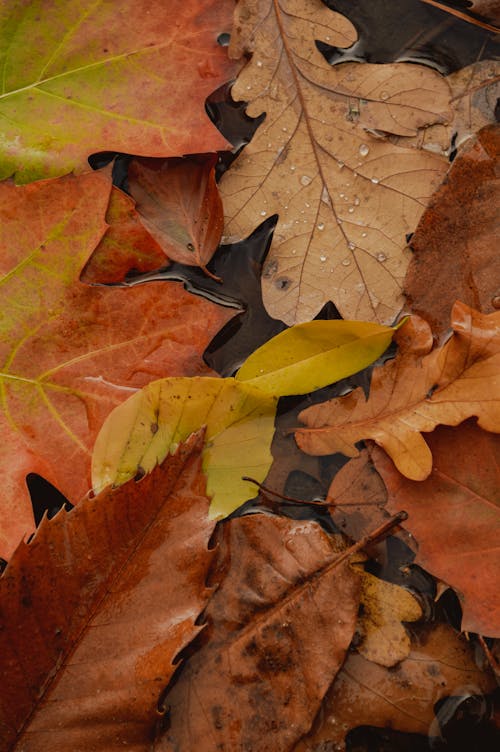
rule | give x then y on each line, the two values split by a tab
266	491
495	667
462	16
370	538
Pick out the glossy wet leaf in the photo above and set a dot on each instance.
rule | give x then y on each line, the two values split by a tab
129	76
455	245
279	625
94	612
71	352
414	393
312	355
239	422
345	194
454	516
179	204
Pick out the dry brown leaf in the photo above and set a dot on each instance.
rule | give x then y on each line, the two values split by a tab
441	663
475	90
415	392
95	609
345	195
278	628
384	640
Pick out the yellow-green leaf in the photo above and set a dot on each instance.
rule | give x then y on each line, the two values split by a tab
239	422
312	355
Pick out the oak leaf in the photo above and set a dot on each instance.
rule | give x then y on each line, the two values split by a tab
179	204
455	255
124	76
345	195
454	516
97	606
440	663
70	352
278	628
414	393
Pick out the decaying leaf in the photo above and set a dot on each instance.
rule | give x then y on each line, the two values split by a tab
455	517
126	245
239	422
475	90
345	195
312	355
96	607
179	204
455	254
440	663
414	392
384	640
125	76
70	352
278	628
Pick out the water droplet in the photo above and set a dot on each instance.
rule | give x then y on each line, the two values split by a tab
346	262
356	201
341	195
321	226
351	245
325	196
364	234
305	180
340	164
375	180
249	87
495	301
339	221
307	205
363	150
384	95
381	256
269	145
323	257
259	63
284	129
292	167
263	213
350	209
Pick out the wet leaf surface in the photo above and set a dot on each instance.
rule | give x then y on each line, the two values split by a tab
94	611
415	392
455	517
258	675
94	77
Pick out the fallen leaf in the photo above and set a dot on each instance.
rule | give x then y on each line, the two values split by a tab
94	611
383	639
312	355
455	255
475	90
71	352
414	392
455	517
126	246
179	204
239	422
441	663
345	195
126	76
278	628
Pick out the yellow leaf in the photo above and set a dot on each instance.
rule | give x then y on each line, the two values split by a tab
385	605
239	422
311	355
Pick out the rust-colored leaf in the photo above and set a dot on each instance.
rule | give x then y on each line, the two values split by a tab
323	160
178	202
126	245
415	392
96	607
455	245
279	626
455	517
440	663
71	352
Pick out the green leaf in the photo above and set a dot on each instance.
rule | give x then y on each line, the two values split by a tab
130	75
239	422
312	355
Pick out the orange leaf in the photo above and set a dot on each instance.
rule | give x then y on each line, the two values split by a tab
455	517
415	392
179	203
70	352
96	607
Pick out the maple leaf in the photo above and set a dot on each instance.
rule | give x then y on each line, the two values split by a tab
278	628
440	663
124	76
97	606
70	352
414	392
179	204
454	516
346	196
460	225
